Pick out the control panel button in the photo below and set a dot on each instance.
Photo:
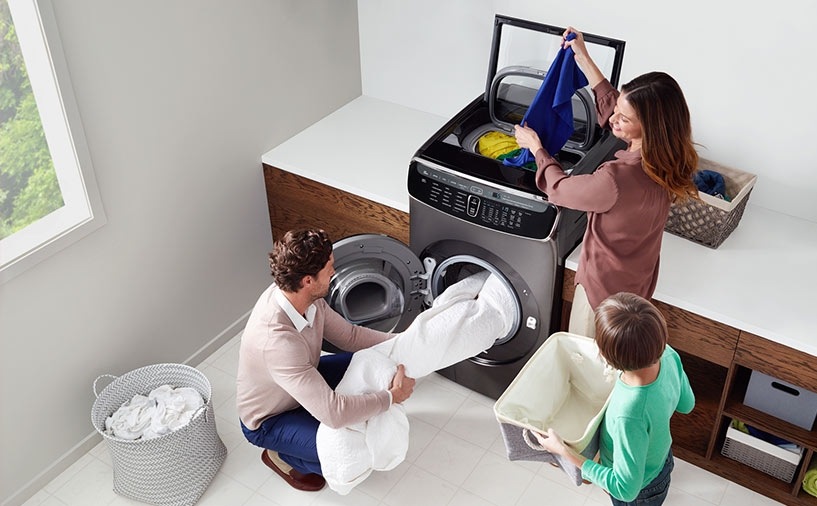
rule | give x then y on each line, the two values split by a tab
473	205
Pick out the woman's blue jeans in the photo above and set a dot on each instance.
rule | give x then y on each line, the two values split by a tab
655	493
292	433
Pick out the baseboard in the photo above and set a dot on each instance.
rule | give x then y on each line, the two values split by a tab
217	342
89	442
60	464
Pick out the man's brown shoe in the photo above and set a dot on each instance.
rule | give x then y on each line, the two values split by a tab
307	482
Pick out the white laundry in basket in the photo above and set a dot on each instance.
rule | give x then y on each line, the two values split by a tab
463	321
564	386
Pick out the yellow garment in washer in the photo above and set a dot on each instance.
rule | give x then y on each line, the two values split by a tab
495	144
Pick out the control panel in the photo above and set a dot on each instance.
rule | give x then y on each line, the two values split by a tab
482	203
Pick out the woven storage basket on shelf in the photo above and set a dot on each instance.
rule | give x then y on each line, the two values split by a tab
176	468
759	454
709	221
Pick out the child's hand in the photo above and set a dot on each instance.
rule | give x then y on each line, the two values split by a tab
552	442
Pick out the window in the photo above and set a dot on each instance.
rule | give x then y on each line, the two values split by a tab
48	194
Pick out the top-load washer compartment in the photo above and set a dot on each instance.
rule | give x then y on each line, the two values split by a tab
521	53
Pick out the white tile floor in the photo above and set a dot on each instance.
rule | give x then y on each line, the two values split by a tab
456	457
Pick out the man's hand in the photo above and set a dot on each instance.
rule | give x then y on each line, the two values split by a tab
401	385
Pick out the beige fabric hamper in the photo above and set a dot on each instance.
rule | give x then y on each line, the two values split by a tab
564	386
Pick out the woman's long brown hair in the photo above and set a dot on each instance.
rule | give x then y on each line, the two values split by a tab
667	151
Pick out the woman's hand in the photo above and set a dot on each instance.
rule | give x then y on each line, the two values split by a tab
582	56
577	44
527	137
401	385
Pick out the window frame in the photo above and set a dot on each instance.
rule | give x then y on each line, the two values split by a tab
36	28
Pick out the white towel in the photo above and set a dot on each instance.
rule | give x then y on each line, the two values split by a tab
463	321
163	410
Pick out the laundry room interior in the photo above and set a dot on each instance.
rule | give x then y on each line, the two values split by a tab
213	128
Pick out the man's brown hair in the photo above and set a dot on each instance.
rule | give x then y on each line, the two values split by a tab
299	253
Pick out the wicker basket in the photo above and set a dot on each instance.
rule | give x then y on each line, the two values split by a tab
176	468
709	221
759	454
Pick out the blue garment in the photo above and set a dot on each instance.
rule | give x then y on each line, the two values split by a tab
292	433
711	182
551	112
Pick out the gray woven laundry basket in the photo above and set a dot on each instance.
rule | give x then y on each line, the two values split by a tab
710	220
176	468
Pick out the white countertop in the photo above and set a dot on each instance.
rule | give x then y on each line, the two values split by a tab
762	279
363	148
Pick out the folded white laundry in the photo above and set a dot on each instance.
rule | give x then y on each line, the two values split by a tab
466	319
163	410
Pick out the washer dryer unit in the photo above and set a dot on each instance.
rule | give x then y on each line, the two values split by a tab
470	213
459	226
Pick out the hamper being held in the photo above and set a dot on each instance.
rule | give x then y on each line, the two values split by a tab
564	386
173	469
709	221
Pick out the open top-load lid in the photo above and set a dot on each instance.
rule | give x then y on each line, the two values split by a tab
521	54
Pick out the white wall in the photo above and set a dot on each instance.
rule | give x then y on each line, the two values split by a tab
748	74
179	100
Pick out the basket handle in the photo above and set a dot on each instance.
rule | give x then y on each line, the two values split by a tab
201	408
96	392
531	441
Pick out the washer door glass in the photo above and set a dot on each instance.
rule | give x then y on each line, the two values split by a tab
377	282
459	267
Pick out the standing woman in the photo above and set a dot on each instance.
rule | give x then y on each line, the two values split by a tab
627	199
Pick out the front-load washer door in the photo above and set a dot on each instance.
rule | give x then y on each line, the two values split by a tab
378	283
453	261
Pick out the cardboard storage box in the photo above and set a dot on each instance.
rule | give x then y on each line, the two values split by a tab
785	401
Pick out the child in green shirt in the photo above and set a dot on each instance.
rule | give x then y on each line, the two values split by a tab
634	440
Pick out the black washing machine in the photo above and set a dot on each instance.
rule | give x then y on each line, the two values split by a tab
470	213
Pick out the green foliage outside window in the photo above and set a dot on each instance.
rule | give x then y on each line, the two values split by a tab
29	188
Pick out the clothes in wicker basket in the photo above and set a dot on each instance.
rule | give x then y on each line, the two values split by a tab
711	183
163	410
173	469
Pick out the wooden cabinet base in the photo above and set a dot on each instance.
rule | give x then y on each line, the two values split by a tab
297	202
